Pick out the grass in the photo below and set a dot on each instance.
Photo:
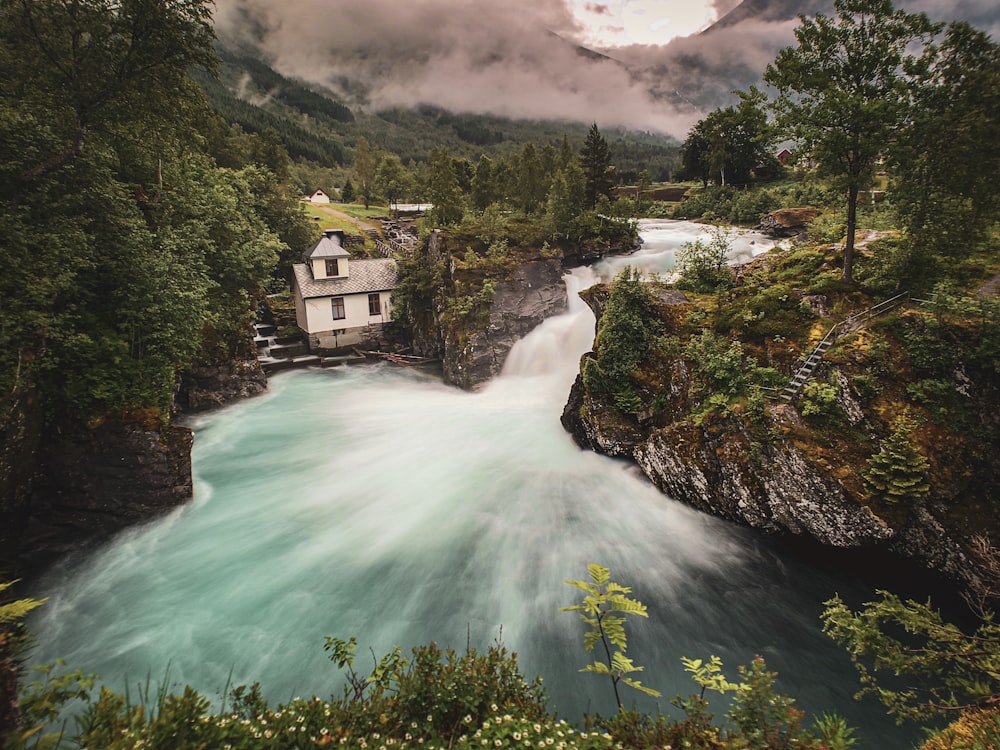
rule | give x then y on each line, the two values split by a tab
359	211
325	221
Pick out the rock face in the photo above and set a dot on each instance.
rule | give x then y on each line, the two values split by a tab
535	292
93	481
770	475
770	485
203	388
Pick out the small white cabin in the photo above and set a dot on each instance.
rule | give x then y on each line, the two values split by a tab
341	302
319	197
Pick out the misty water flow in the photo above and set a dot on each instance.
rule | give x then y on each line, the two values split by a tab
377	502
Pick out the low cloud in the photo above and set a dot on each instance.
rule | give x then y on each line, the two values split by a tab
516	58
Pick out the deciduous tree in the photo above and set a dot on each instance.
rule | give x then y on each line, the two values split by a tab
945	185
365	166
845	89
392	179
443	189
916	663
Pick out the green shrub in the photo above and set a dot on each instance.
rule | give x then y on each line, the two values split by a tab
819	399
627	333
828	227
728	204
704	266
719	360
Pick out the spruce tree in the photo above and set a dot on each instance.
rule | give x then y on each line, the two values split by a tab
899	470
595	159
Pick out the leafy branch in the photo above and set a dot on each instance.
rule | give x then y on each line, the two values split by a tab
604	610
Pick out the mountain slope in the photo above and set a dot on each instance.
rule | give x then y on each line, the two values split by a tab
316	126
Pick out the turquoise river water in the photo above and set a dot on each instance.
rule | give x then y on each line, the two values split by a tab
377	502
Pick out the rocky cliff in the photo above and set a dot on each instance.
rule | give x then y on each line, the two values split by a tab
96	479
209	387
65	484
474	308
534	292
790	475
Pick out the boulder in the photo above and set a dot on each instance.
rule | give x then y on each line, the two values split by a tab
788	222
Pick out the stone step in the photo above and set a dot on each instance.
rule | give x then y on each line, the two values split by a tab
288	351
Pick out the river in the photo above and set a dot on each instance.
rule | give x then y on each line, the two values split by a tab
377	502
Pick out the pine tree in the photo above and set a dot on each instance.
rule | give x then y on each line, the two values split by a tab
899	470
347	194
595	159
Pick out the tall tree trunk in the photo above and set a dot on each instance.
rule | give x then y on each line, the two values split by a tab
852	225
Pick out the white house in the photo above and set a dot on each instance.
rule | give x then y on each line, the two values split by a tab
341	302
319	197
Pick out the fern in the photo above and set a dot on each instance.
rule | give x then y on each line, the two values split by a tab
18	609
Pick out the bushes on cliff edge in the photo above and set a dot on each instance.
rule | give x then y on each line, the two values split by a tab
626	336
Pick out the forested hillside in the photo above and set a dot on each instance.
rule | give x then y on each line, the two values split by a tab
314	126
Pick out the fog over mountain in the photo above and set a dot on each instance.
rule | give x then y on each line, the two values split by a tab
521	58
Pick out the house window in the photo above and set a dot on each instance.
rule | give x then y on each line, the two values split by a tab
374	304
331	268
338	308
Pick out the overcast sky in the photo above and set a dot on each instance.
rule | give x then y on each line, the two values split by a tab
519	57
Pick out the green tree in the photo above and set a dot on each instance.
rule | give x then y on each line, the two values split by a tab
899	470
530	180
844	91
945	177
595	160
626	335
566	199
443	189
95	66
642	188
484	184
605	608
704	266
365	166
566	154
392	179
730	142
347	194
694	154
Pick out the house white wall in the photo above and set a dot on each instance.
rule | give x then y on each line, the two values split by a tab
319	197
327	333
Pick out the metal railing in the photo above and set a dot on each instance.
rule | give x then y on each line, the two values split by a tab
850	323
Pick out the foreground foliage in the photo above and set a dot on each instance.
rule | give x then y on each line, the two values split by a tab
432	699
917	664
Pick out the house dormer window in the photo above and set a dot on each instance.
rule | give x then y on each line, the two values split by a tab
332	268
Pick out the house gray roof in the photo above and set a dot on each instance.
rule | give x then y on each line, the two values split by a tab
366	276
330	245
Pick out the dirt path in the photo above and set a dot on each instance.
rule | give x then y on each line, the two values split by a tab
362	225
990	288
